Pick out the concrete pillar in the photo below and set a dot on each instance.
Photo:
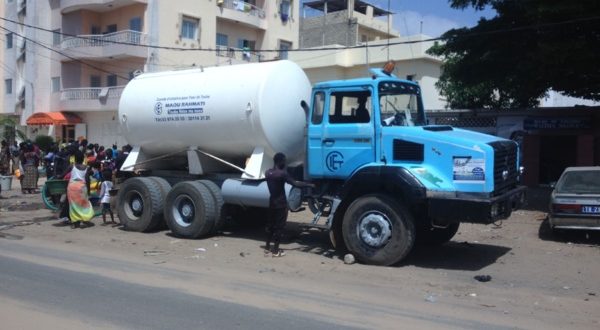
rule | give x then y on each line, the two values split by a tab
369	12
350	8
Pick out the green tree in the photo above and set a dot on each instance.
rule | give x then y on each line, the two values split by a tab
9	129
515	57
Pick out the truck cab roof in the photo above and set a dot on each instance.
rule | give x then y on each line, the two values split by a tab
377	75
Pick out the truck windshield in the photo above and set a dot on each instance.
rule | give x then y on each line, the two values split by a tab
400	104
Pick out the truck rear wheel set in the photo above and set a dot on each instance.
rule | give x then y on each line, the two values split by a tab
191	209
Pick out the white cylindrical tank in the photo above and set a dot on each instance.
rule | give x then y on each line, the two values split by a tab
226	111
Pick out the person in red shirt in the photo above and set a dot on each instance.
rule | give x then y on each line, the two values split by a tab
277	177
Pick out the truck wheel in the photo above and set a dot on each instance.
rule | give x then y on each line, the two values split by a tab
140	204
378	230
215	191
165	187
428	235
190	210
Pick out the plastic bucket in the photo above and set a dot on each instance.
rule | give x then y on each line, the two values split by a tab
6	182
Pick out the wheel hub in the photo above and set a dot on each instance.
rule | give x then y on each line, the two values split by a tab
374	229
136	205
183	210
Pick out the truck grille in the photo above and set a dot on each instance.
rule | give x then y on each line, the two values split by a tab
505	159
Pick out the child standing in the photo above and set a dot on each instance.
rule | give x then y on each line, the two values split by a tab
105	188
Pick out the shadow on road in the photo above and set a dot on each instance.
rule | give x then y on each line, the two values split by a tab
456	256
589	237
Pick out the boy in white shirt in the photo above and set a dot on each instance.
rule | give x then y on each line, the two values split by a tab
105	188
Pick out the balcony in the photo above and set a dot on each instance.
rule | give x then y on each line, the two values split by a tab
106	46
67	6
237	55
242	12
90	99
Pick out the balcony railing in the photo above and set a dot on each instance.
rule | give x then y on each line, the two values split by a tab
238	54
101	40
90	99
87	94
242	6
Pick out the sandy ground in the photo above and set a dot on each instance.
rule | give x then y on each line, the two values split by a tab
539	279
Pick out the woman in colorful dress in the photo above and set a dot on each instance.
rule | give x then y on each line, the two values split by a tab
30	161
80	208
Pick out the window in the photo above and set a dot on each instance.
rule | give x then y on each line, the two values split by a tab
399	104
222	40
95	81
410	77
55	84
189	28
111	80
135	24
246	44
9	40
285	10
111	28
56	37
8	86
95	30
350	107
284	46
318	105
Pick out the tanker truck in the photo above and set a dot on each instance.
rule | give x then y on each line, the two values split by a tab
384	178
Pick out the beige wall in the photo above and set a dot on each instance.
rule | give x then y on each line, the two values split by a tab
120	16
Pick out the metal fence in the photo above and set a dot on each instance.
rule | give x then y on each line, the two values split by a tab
101	40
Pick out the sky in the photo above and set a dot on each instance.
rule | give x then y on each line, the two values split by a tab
436	15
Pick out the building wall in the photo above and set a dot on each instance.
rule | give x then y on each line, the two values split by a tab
330	29
103	128
411	60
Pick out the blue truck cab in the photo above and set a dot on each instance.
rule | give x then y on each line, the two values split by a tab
386	179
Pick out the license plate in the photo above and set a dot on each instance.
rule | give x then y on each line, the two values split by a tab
590	209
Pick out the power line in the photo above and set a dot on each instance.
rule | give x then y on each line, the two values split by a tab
408	42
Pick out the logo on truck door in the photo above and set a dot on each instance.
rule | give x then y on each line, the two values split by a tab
334	161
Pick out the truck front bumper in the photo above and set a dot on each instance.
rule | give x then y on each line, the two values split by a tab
473	209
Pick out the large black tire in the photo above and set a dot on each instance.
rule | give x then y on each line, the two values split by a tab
140	204
215	191
190	210
429	235
165	187
378	230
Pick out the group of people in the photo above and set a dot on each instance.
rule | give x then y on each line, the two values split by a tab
23	160
85	164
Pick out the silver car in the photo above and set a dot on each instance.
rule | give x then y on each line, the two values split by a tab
575	201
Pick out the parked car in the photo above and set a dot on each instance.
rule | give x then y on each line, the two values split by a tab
575	200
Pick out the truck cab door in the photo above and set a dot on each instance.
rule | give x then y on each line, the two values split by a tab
347	132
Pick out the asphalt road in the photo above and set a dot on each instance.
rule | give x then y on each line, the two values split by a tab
102	301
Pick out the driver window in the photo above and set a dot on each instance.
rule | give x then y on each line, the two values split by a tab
350	107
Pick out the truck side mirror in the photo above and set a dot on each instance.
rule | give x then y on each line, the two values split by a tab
305	107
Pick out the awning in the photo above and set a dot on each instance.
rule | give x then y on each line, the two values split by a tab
53	118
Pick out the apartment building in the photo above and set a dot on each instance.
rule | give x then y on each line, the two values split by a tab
337	24
66	62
